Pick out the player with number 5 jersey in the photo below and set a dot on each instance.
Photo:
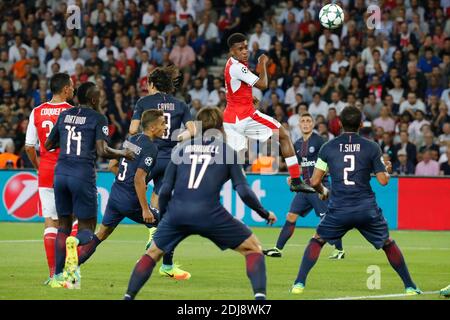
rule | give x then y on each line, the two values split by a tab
42	120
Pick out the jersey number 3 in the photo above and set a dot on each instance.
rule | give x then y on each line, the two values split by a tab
351	159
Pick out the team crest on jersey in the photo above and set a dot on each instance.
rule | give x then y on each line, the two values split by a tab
244	69
312	149
148	161
105	130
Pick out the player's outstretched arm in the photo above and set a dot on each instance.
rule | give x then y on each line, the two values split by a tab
32	155
113	166
165	193
141	190
316	183
189	132
262	83
247	195
104	151
134	127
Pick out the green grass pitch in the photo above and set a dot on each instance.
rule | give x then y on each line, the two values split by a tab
221	275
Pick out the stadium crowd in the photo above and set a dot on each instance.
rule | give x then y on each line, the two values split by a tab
397	73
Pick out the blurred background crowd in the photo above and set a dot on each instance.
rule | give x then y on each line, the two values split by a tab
397	73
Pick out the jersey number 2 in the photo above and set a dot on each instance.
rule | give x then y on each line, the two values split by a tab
204	159
350	158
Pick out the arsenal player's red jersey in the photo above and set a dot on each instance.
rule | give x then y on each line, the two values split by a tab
238	85
41	122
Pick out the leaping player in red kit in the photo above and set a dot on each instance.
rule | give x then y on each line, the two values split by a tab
42	119
242	121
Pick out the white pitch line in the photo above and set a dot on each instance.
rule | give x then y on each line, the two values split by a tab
396	295
202	243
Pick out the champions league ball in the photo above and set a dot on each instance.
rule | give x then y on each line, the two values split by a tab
331	16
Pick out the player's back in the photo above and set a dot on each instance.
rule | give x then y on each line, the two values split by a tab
175	112
123	189
42	120
79	128
201	175
351	159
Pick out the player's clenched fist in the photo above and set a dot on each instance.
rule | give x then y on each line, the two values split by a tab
148	216
388	166
271	219
324	195
263	59
129	154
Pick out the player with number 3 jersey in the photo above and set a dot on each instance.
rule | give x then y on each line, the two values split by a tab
42	120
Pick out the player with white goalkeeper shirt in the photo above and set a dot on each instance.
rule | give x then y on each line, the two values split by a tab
242	121
42	120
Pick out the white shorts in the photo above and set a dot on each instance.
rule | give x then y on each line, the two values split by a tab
259	127
47	207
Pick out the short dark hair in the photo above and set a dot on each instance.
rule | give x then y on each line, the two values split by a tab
82	92
351	119
58	81
162	78
235	38
211	118
306	114
150	116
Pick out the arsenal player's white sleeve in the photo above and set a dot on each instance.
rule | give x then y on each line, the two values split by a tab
241	72
31	137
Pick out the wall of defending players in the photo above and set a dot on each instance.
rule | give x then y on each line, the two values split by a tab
407	203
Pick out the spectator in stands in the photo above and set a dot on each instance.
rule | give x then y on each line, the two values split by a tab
262	38
199	92
318	106
405	144
385	120
428	166
445	166
372	109
412	104
403	166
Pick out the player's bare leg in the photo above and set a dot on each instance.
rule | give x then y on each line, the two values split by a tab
288	152
256	267
285	234
50	231
143	270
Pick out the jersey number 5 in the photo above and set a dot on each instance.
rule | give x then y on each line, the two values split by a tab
348	158
204	159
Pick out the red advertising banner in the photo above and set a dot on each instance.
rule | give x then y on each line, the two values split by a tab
424	204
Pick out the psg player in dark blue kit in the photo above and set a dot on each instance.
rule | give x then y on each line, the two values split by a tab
81	133
128	197
306	148
176	113
198	170
350	160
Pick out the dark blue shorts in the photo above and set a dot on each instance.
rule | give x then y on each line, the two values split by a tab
303	203
220	227
157	173
116	212
370	223
75	196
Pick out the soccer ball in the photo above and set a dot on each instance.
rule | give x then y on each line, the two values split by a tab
331	16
